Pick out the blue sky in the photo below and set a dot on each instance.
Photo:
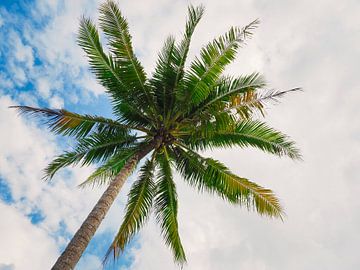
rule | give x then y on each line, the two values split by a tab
19	17
300	43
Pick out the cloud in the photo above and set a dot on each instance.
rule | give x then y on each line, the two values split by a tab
56	102
90	262
20	58
20	245
23	53
43	87
49	37
28	99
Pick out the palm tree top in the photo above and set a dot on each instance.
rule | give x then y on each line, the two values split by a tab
173	114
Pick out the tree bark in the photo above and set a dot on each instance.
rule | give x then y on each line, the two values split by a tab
82	237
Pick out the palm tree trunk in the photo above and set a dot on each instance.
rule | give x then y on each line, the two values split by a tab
82	237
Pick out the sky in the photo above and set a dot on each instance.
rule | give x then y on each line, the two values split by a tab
308	44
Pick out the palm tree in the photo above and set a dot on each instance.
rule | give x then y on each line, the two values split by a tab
166	118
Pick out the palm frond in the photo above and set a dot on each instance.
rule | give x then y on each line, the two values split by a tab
245	133
229	91
212	176
206	70
133	116
166	208
206	125
107	172
62	161
72	124
170	66
244	104
194	16
104	67
112	73
97	147
163	79
116	29
228	88
137	209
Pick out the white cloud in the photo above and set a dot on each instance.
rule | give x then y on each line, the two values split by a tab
20	242
28	99
23	53
18	74
20	60
90	262
56	102
5	83
30	144
43	87
57	47
61	69
90	84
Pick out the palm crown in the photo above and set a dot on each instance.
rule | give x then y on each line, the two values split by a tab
169	117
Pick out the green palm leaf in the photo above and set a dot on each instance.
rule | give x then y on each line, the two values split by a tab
170	66
98	147
133	116
104	67
137	209
211	175
206	70
245	133
166	208
72	124
228	90
109	72
194	16
116	29
108	171
163	79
